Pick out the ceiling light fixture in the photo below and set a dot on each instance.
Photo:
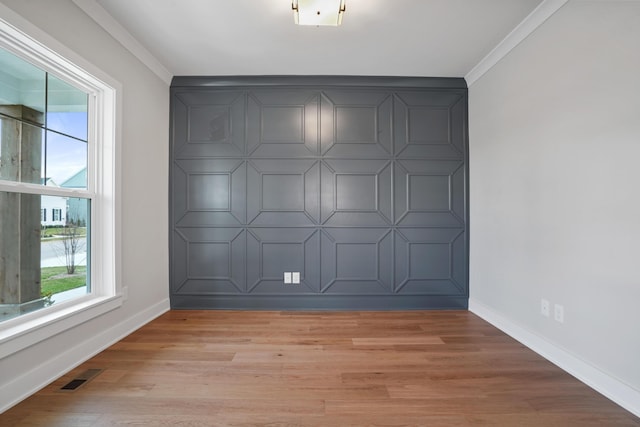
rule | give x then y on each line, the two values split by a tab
318	12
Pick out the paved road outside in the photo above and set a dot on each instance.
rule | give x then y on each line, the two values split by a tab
52	253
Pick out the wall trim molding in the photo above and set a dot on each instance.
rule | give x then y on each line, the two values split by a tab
610	387
279	81
525	28
120	34
30	382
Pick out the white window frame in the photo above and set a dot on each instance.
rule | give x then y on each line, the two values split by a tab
102	188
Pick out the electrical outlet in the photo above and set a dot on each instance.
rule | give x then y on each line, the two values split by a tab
544	307
295	277
558	313
287	277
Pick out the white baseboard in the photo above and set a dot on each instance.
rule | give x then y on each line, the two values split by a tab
610	387
30	382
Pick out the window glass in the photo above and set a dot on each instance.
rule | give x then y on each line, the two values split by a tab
21	147
52	264
66	158
43	237
66	109
21	84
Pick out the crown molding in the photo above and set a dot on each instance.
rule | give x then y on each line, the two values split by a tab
536	18
118	32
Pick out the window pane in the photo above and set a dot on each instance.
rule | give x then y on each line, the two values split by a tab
66	109
22	88
21	147
51	265
66	161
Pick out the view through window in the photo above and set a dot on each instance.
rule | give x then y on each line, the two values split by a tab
45	202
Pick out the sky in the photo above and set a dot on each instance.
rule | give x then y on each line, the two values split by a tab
65	156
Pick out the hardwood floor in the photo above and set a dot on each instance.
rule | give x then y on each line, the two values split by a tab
218	368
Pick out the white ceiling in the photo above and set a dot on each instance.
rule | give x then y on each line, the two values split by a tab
435	38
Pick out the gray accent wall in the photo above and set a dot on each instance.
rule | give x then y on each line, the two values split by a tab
358	183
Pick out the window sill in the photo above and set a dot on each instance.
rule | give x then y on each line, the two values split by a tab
26	333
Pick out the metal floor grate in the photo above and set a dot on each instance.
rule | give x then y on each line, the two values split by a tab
81	379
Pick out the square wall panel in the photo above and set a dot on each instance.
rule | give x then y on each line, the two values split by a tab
356	192
209	124
428	125
280	257
356	125
429	260
208	192
283	192
429	193
283	125
208	260
357	261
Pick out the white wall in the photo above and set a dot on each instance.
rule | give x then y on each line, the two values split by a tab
144	166
555	186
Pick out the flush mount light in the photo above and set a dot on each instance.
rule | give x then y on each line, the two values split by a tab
318	12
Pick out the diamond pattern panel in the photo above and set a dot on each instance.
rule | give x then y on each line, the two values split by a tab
283	192
209	192
271	252
429	126
356	192
207	124
282	123
208	261
427	193
356	124
430	261
356	261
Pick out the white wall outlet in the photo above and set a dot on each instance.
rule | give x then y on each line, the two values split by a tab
558	313
544	307
287	277
295	277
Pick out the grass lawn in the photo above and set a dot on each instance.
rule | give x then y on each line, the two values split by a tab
59	231
56	279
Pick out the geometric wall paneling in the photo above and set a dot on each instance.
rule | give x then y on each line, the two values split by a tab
358	183
356	192
283	192
208	192
208	261
356	124
208	124
429	127
273	251
357	261
282	123
430	261
429	193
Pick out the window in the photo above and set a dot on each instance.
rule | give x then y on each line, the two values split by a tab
57	124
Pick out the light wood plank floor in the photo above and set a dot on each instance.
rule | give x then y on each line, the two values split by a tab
218	368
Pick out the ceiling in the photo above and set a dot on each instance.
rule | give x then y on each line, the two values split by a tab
435	38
